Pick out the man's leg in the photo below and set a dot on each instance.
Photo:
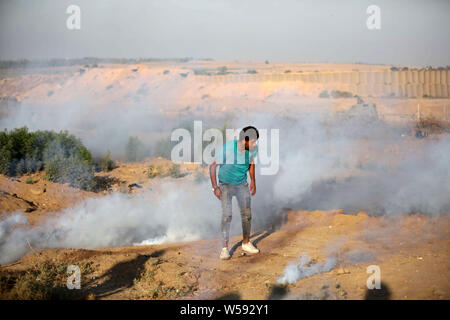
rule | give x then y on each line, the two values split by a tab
226	213
244	201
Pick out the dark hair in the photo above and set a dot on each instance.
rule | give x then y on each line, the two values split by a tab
249	133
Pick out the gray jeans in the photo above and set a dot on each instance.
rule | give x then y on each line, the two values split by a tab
242	194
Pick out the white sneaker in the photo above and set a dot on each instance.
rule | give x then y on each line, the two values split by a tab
249	247
224	254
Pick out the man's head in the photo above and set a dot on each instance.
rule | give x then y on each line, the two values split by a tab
249	135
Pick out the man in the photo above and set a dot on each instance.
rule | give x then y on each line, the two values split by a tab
234	161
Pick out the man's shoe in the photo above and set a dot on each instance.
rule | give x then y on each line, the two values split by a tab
224	254
249	247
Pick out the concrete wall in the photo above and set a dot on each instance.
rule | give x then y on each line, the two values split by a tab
407	83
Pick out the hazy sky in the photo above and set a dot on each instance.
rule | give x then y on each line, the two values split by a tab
412	32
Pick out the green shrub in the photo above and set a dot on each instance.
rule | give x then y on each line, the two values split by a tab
135	150
22	151
62	155
29	180
106	164
174	171
69	164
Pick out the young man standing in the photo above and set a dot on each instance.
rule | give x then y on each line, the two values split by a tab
234	160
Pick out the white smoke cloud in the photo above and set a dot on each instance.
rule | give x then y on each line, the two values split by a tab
347	165
180	212
320	168
296	271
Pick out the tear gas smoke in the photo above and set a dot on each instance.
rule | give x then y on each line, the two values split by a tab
294	272
325	163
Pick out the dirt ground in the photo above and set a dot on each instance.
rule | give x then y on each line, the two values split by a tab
413	262
412	252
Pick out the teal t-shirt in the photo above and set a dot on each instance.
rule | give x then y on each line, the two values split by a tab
233	163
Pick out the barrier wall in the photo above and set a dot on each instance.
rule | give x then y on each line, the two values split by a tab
401	83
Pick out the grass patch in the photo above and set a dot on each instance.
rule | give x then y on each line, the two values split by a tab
174	171
29	180
43	281
106	164
154	289
154	171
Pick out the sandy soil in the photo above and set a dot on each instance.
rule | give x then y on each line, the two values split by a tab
413	263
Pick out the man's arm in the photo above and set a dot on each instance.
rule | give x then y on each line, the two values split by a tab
251	170
212	175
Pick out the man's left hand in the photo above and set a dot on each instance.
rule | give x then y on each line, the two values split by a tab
253	188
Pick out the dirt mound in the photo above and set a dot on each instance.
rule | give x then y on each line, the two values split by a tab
36	197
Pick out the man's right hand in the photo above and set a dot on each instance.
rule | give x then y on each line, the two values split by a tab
218	193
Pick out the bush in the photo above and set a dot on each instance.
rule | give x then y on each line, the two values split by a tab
135	150
62	155
222	70
324	94
106	164
22	151
201	72
341	94
29	180
64	163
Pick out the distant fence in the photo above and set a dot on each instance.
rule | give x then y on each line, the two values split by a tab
402	83
439	111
